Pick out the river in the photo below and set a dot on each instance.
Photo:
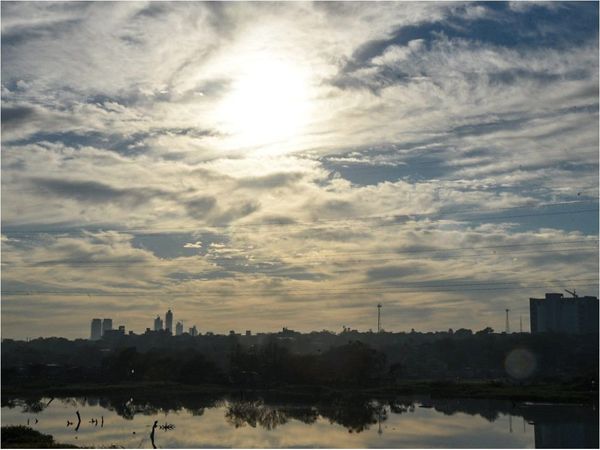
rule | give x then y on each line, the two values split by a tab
214	422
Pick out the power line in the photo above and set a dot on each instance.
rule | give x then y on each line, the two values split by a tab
454	249
482	215
413	288
306	258
594	241
555	213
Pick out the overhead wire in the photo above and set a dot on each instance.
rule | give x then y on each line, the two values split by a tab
480	216
332	258
410	288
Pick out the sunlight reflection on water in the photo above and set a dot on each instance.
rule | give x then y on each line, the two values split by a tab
399	423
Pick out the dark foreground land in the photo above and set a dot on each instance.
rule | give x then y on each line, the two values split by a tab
551	392
25	437
519	366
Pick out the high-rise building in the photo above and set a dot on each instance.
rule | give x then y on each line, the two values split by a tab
169	321
106	325
158	324
179	329
96	329
557	314
113	335
194	331
122	329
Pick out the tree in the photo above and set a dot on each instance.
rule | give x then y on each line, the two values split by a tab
486	330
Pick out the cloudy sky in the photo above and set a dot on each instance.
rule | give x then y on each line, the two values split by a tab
260	165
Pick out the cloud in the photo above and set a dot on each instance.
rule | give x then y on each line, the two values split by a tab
235	212
199	207
95	192
13	116
433	126
16	34
473	23
396	272
272	181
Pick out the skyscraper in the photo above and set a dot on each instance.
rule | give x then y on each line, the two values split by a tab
106	325
158	324
193	331
179	329
96	329
169	321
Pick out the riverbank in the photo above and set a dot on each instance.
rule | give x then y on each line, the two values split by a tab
26	437
551	392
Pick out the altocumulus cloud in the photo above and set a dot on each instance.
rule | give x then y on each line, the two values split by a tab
445	150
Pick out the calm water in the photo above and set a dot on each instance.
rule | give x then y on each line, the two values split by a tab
256	422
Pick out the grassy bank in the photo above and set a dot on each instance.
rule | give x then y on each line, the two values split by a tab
25	437
554	392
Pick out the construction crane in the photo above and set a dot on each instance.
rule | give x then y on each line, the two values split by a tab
574	293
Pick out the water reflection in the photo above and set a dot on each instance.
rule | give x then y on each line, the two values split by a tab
152	433
374	422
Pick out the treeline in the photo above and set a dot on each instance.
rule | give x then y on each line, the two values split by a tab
354	364
350	359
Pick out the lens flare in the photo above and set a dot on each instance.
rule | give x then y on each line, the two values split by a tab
520	363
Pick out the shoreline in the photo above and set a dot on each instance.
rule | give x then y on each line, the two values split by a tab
553	392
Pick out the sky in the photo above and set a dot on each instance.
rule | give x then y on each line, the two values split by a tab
267	165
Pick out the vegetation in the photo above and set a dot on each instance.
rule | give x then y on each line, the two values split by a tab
458	363
25	437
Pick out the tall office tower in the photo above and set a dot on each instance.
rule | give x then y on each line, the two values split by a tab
106	325
96	329
169	321
179	329
158	324
194	331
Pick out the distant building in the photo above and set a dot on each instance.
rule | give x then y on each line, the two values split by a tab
248	333
122	329
106	325
193	331
113	334
96	329
557	314
158	324
179	329
169	321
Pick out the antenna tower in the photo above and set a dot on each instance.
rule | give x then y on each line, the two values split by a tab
520	324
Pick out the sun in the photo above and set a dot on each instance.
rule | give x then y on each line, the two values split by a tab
269	102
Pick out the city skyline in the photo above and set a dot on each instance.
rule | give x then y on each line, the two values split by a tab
261	165
553	313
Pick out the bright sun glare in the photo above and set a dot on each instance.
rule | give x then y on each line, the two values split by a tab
268	102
